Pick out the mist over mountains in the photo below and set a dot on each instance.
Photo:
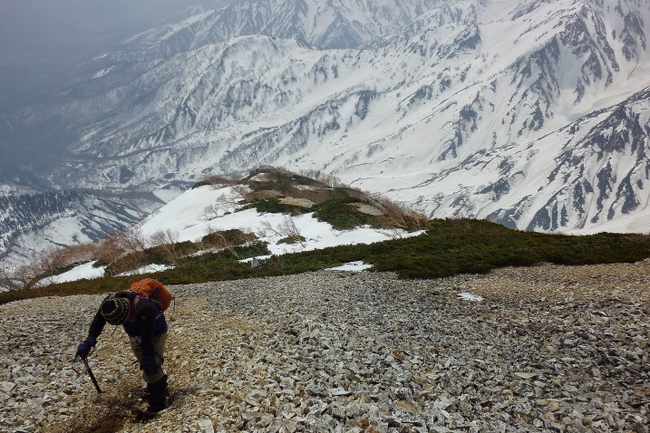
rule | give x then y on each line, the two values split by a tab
533	114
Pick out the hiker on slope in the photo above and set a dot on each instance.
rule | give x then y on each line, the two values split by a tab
146	327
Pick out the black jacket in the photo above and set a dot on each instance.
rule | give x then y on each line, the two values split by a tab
145	321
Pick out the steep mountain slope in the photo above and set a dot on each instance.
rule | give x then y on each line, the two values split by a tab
532	113
324	24
475	109
34	221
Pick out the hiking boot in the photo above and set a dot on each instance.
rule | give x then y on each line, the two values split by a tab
145	394
157	398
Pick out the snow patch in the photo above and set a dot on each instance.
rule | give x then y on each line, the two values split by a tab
149	269
86	271
470	297
352	266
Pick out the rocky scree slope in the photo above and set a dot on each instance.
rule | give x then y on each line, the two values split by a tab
549	348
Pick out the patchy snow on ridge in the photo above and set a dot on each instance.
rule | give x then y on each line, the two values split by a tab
528	113
187	219
86	271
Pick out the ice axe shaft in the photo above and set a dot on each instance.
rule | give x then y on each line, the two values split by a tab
90	373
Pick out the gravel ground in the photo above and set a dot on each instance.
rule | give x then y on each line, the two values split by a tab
548	348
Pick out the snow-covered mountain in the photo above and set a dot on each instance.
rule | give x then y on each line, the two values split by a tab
530	113
35	221
323	24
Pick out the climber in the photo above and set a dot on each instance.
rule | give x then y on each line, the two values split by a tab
145	324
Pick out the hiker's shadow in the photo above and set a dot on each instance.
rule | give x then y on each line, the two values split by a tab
178	396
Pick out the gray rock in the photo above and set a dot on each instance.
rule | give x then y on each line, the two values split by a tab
365	352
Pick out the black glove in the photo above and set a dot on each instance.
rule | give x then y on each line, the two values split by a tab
149	365
84	348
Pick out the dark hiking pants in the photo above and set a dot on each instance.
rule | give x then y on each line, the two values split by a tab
159	356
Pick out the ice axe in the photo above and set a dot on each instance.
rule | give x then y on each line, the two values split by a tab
90	372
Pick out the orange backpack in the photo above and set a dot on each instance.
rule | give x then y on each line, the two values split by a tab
155	290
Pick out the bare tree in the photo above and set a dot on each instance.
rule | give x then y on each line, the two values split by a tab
243	191
224	204
399	215
210	212
47	263
166	240
124	250
229	246
217	182
39	266
420	219
8	279
78	253
222	242
286	228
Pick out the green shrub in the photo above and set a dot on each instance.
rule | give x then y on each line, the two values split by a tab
291	240
157	255
449	247
469	246
231	237
341	215
273	205
305	181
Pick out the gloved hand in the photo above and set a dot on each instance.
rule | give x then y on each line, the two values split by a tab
149	365
84	348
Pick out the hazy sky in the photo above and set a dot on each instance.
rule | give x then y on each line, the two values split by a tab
50	36
41	44
28	26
